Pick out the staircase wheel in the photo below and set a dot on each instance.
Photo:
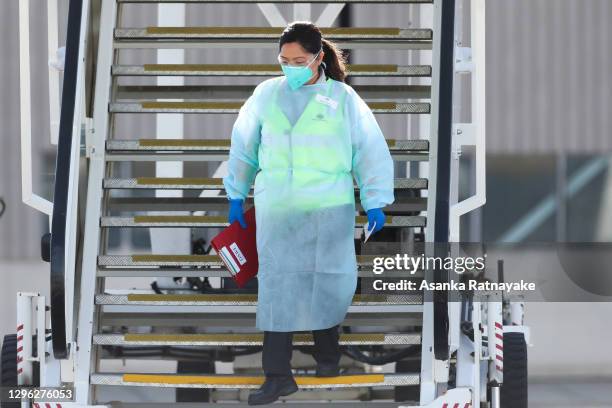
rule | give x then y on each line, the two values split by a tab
8	366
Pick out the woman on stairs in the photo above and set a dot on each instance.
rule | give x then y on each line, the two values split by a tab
301	138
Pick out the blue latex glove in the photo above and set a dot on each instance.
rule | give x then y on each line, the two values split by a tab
376	215
236	213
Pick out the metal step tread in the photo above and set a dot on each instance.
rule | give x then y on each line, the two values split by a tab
234	107
160	317
225	93
217	145
208	183
363	261
218	202
294	404
201	299
262	70
249	339
221	272
270	33
241	381
203	221
279	1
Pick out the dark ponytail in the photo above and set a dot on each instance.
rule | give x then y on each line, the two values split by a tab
334	61
310	38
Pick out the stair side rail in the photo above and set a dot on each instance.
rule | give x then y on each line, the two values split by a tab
65	200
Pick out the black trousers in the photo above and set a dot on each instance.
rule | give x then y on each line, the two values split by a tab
278	348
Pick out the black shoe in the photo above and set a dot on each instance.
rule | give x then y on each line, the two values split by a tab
271	389
327	370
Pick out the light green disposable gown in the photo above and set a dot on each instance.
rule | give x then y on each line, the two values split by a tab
307	144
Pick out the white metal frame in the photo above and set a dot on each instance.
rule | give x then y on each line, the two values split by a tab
493	353
54	71
474	61
473	134
495	336
468	60
32	319
79	120
24	338
433	372
25	101
28	196
91	244
272	14
301	11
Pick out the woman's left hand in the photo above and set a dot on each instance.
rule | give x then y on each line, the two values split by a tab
376	218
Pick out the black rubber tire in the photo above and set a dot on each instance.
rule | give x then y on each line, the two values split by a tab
194	394
514	390
9	366
407	392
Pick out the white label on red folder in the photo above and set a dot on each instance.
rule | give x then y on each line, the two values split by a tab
239	255
229	261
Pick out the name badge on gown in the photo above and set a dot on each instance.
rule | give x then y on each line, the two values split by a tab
326	101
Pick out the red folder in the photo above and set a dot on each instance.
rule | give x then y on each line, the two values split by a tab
236	246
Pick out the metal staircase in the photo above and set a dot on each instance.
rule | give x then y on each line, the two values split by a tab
221	319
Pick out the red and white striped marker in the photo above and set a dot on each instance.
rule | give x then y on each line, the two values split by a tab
499	347
19	350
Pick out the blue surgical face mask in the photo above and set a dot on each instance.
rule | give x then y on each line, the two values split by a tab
298	76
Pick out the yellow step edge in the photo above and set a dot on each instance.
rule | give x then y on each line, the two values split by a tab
211	67
271	30
179	180
382	105
175	258
179	218
184	142
249	380
191	105
242	337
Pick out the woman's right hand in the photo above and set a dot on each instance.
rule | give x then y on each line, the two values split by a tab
236	213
